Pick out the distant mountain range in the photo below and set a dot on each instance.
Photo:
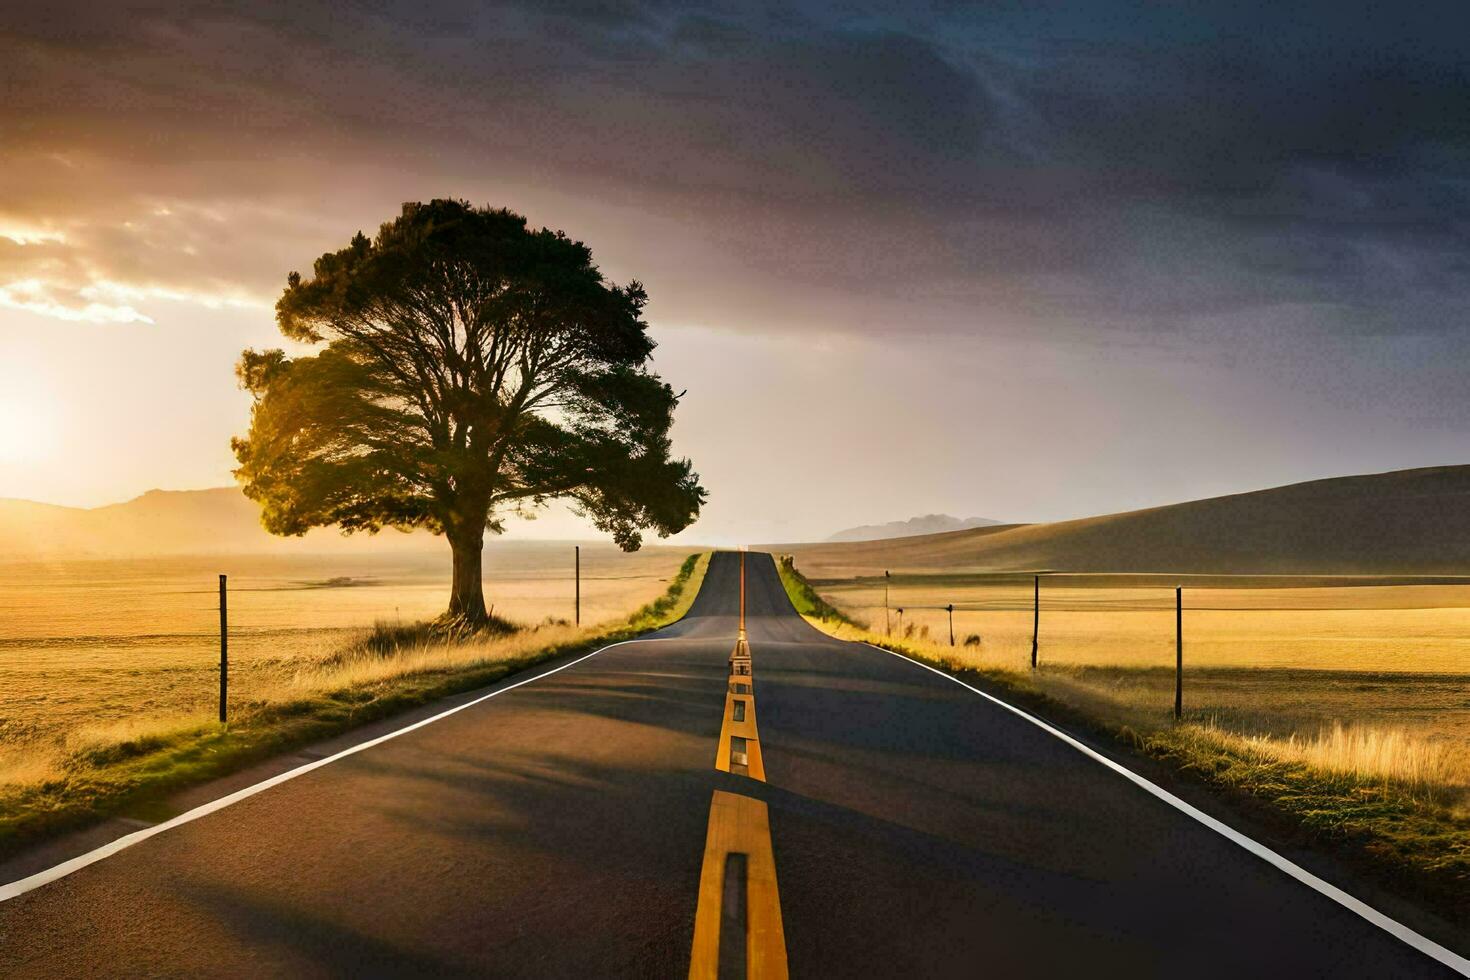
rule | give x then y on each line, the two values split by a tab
928	524
171	522
1409	522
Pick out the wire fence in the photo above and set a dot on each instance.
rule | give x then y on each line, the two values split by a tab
1295	658
92	644
1421	627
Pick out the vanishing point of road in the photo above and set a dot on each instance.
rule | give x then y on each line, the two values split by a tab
609	818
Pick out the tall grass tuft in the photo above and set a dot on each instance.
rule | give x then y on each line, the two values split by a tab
1395	755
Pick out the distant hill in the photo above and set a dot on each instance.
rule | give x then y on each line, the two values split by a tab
1410	522
170	522
928	524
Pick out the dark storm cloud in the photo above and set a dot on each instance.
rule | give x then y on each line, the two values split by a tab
1025	167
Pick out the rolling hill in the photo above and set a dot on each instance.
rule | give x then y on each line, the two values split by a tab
1409	522
928	524
169	522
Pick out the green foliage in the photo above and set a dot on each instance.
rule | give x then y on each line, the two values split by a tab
803	597
656	613
468	368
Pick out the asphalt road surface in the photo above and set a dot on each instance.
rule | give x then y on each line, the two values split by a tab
560	829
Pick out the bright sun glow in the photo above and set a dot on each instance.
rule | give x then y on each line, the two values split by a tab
27	422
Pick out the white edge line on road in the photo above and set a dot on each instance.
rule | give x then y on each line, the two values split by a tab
1389	925
22	885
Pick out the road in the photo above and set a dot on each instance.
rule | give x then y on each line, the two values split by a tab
561	829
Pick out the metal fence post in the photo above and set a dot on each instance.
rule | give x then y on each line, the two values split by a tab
224	652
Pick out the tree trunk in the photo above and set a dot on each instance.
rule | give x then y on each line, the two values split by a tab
466	594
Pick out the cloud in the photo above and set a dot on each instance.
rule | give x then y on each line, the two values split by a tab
99	271
1073	171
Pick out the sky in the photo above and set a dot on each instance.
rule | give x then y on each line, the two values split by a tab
1025	261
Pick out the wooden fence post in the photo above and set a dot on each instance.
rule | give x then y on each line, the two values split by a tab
887	619
1178	652
1035	620
224	653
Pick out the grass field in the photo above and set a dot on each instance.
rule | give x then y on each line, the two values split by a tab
1399	628
121	733
97	644
1370	676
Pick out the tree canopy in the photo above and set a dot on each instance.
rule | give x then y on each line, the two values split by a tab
468	367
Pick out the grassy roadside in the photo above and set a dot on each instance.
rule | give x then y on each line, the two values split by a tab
134	773
1413	840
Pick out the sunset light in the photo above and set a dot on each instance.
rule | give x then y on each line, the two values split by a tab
45	299
687	489
28	415
25	235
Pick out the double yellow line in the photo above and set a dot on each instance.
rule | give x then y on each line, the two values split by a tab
737	924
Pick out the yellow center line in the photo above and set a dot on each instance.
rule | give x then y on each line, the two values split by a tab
739	750
737	922
738	825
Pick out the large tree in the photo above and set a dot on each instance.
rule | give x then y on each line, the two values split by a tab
468	367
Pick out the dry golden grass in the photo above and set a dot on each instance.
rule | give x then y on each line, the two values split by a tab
123	646
33	763
1368	682
1371	628
97	766
325	663
310	675
29	765
1393	754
